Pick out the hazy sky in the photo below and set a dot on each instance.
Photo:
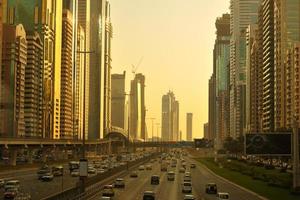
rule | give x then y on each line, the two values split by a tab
175	39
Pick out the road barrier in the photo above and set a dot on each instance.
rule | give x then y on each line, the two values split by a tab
95	183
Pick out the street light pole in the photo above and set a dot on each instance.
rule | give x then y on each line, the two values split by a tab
83	178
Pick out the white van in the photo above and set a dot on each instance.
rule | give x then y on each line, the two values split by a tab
171	176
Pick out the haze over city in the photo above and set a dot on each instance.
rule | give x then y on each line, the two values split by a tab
175	40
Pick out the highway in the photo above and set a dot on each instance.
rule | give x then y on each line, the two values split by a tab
171	190
30	184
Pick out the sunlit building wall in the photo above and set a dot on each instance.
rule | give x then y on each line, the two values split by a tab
287	31
137	107
242	13
84	22
97	72
66	95
14	61
267	28
33	86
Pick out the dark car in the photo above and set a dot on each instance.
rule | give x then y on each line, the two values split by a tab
211	188
149	195
154	180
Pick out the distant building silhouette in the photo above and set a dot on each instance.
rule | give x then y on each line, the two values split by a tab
189	126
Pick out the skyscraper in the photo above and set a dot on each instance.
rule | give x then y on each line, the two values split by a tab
33	86
242	13
170	117
212	107
14	61
118	100
66	95
267	27
189	126
47	21
286	32
84	21
107	69
137	107
221	69
97	70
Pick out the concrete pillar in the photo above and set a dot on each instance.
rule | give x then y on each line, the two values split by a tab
13	157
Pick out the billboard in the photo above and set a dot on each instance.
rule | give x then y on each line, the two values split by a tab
269	144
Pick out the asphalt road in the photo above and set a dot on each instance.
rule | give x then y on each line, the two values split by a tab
171	190
30	184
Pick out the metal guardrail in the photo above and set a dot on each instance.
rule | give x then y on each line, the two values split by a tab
95	183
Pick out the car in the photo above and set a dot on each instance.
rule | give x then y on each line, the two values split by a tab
171	176
2	183
187	187
43	170
148	167
142	167
11	193
105	198
119	183
181	170
12	184
193	165
92	170
173	165
108	191
47	177
222	196
149	195
75	173
189	197
187	178
211	188
100	171
154	180
134	174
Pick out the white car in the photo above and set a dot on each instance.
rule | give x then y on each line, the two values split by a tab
75	173
119	183
189	197
222	196
141	167
187	187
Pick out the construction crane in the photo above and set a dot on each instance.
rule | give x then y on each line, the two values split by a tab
135	67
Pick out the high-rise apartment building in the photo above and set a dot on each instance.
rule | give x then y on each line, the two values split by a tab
47	21
189	126
253	80
266	25
286	32
14	61
118	100
33	114
137	118
170	117
221	69
66	95
83	18
242	13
